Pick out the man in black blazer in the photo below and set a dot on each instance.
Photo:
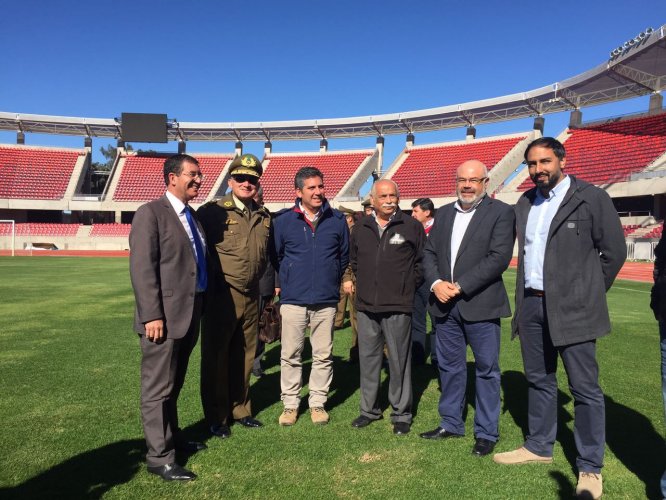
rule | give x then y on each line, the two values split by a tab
168	273
469	248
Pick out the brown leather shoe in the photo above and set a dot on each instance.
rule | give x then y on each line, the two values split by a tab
589	486
520	456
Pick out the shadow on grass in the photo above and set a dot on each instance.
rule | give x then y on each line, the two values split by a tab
634	441
514	387
421	377
87	475
93	473
629	435
565	489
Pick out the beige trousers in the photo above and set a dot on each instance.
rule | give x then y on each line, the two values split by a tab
295	320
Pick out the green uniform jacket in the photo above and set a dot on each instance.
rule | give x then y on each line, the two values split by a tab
239	242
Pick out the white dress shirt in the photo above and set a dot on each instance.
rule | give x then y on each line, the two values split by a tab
180	207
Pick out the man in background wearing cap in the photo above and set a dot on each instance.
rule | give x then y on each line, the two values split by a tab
367	207
238	232
348	293
311	252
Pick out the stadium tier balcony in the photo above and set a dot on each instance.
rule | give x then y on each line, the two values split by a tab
430	170
41	229
338	168
110	230
36	173
142	180
610	152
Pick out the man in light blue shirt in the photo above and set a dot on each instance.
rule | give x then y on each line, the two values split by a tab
570	248
536	234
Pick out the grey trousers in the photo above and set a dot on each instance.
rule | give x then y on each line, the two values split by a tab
375	329
163	369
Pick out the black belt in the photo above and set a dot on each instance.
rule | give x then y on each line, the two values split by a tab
531	292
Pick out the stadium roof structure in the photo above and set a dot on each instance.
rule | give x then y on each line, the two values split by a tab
637	68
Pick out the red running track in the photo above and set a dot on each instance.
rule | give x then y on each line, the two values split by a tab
634	271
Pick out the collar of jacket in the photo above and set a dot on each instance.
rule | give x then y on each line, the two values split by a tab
325	208
370	220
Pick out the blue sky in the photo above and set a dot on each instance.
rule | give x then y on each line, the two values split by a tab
284	60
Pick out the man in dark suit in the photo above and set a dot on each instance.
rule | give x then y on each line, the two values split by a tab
468	249
168	272
570	248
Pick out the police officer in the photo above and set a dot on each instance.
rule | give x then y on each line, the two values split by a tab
348	293
237	230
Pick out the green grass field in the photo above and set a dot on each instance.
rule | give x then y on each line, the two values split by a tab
69	407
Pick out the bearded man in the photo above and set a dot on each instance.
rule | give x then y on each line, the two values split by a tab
468	249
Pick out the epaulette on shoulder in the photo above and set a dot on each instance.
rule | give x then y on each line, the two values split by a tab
226	204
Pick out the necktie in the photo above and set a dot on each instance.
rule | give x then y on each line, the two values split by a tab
202	276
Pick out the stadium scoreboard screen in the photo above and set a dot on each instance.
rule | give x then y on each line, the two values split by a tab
144	127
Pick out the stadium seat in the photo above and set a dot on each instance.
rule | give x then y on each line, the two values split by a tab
142	180
430	170
36	173
278	178
110	230
610	152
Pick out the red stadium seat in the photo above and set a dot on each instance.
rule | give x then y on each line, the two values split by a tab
610	152
142	180
430	170
35	173
278	178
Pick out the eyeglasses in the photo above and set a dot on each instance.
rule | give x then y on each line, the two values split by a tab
240	178
473	180
194	175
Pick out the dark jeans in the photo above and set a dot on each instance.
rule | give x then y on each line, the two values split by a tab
580	364
453	335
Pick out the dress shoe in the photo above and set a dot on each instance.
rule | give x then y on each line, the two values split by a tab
401	428
172	472
483	447
439	433
190	446
249	422
590	485
220	430
520	456
361	421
